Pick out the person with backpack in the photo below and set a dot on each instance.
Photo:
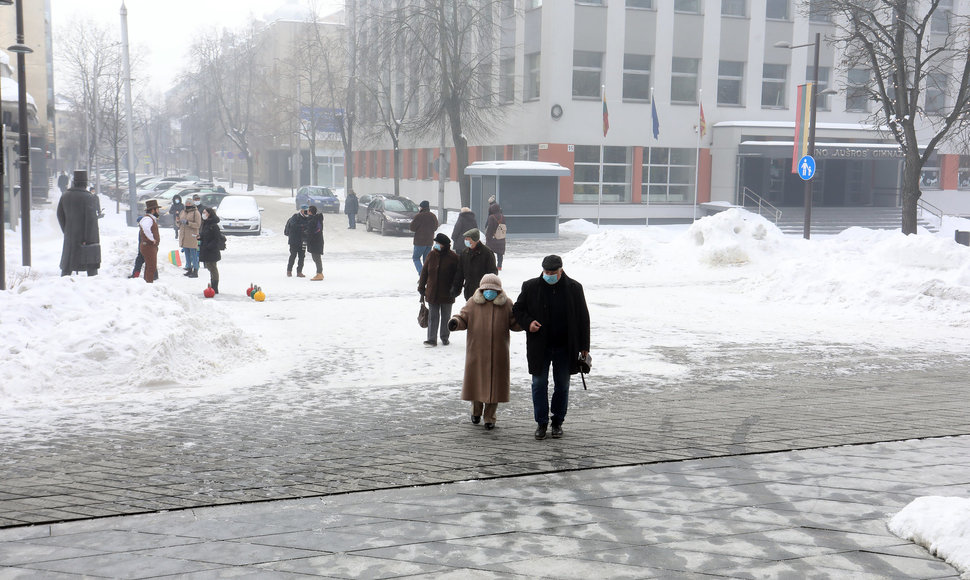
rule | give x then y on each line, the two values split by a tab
495	230
211	243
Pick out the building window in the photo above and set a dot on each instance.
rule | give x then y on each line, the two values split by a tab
823	83
936	89
777	10
683	80
601	171
940	20
730	82
372	163
506	81
636	77
363	164
639	4
493	153
930	176
963	174
773	81
593	2
533	4
526	152
587	70
532	69
430	157
508	8
414	164
691	6
818	11
668	175
856	92
388	158
734	8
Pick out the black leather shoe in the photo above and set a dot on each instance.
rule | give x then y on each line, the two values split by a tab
445	341
489	426
541	431
476	419
429	343
556	431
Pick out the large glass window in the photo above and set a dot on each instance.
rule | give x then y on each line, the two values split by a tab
734	7
636	77
857	92
532	70
639	3
526	152
587	72
773	81
777	10
414	164
730	82
692	6
963	175
683	80
493	153
936	89
668	175
940	20
818	11
930	175
823	83
603	170
506	81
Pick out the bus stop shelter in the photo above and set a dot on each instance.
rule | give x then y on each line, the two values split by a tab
528	192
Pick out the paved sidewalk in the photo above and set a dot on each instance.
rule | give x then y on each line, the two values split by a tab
807	514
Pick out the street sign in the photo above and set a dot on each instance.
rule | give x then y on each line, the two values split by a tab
806	167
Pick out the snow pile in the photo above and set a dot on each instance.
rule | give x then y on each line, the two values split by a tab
939	524
613	250
733	237
578	227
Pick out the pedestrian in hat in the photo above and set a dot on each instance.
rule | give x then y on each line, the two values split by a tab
190	222
351	206
473	263
295	232
424	225
488	318
552	308
148	239
434	285
77	214
464	222
211	243
314	240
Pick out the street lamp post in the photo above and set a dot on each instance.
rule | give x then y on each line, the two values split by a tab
24	158
3	203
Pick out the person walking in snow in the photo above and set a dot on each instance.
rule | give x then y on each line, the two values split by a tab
190	222
473	263
423	225
495	233
552	308
62	181
487	317
211	243
295	232
174	211
351	205
77	214
434	285
314	240
466	221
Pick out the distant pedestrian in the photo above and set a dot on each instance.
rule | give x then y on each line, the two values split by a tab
474	262
466	221
495	230
434	285
211	242
295	232
424	225
552	307
314	240
190	222
97	201
148	239
351	205
174	210
488	318
77	214
62	182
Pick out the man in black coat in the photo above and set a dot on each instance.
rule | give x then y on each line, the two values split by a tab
553	309
295	232
77	214
476	261
351	205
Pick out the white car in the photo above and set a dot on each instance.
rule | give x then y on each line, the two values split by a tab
239	214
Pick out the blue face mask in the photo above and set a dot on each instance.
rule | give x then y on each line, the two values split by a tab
437	246
550	278
468	243
489	294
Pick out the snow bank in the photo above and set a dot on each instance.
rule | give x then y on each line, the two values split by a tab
939	524
733	237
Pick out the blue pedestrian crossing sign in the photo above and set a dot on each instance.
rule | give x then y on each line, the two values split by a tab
806	167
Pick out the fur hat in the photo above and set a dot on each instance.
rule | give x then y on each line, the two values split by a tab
491	199
490	282
190	202
444	240
465	210
473	233
551	262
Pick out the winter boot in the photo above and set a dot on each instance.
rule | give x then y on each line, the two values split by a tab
135	274
193	273
289	273
215	286
300	275
317	278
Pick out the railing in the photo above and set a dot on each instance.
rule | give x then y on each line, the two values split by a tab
762	203
924	206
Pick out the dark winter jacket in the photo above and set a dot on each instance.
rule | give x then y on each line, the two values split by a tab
314	234
535	303
176	209
62	182
424	226
295	229
495	217
437	275
351	205
466	221
210	239
473	263
77	213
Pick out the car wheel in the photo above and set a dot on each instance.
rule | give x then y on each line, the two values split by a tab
384	230
367	223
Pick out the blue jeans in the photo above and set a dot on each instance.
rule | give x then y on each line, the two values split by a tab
353	221
419	255
560	360
191	258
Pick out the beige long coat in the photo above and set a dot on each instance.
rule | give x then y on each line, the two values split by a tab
487	373
189	232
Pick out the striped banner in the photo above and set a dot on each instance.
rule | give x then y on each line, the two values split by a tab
803	112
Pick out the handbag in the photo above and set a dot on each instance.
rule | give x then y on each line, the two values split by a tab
90	254
585	364
423	315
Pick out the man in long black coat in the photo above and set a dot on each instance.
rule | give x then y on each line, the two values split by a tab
77	213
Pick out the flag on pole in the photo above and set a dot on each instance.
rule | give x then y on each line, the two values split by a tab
656	120
803	111
702	127
606	114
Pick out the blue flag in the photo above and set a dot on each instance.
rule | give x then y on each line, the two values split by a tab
656	121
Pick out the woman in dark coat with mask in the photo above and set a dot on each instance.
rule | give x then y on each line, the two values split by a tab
174	211
314	240
210	245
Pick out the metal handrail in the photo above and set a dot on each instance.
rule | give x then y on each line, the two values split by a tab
925	206
747	193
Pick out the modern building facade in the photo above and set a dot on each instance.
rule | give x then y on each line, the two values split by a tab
725	101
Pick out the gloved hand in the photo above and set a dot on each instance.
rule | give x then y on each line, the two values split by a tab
452	325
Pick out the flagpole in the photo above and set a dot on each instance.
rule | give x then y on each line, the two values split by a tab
647	224
697	153
599	188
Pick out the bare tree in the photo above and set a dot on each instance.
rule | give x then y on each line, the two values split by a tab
916	52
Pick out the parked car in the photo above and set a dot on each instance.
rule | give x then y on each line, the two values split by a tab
239	214
363	203
390	214
322	197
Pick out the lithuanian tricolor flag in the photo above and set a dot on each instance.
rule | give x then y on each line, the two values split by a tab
803	111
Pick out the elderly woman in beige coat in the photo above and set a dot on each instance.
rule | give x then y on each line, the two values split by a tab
487	316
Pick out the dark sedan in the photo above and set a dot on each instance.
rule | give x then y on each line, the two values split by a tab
323	198
363	204
390	214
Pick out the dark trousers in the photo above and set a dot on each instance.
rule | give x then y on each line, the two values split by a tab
318	260
438	316
296	250
353	221
213	268
559	358
498	259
